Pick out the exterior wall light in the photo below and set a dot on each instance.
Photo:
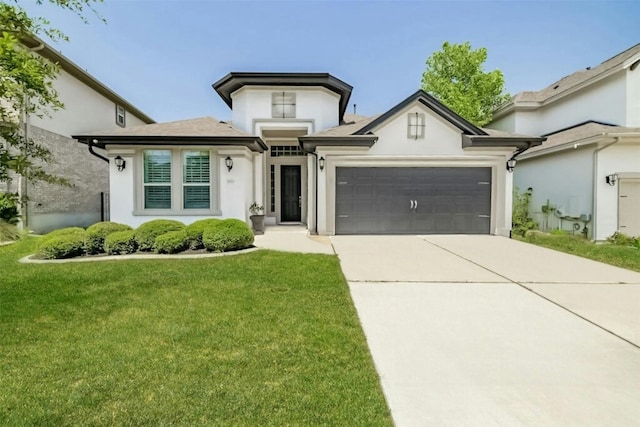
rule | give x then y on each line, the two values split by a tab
120	163
229	163
321	163
511	165
611	179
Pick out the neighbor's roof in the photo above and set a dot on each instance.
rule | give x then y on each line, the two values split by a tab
585	132
73	69
579	78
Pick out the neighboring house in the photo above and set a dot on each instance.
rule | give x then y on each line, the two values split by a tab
88	105
588	170
417	168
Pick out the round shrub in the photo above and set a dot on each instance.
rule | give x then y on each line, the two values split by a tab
195	230
64	232
98	232
62	245
146	234
171	242
120	243
227	235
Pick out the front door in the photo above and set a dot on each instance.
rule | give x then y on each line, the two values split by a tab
290	193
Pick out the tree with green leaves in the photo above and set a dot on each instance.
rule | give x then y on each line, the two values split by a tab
26	86
456	77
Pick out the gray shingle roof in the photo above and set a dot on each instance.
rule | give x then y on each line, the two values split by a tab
202	126
352	123
579	133
578	77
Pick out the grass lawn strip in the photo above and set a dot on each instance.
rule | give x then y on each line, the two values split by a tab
264	338
621	256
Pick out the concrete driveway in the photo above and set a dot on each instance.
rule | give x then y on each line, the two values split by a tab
484	330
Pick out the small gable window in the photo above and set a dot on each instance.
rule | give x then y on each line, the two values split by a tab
120	116
283	105
415	127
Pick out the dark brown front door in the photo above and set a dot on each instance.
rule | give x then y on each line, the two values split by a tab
290	193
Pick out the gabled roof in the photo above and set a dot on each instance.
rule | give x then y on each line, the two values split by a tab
584	133
236	80
564	86
200	131
358	132
70	67
430	102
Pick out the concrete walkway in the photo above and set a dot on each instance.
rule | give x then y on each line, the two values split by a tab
293	238
484	330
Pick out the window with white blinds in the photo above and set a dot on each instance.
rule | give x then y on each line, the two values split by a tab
196	180
157	179
283	105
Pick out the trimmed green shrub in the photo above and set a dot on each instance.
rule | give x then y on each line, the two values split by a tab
195	230
63	232
146	234
59	246
120	243
9	208
227	235
171	242
8	232
98	232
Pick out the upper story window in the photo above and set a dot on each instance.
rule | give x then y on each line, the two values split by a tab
415	126
283	105
121	118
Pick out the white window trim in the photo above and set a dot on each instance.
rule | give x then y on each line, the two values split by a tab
177	184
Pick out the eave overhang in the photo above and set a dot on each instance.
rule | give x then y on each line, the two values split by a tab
487	141
253	143
310	143
234	81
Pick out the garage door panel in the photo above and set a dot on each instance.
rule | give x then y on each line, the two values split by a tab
413	200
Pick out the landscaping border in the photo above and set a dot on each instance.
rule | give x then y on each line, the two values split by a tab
28	260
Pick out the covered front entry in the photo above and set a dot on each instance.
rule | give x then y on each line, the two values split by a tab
412	200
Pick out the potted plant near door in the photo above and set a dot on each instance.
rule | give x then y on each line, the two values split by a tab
257	218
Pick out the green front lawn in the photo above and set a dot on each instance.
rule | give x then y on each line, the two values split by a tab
263	338
618	255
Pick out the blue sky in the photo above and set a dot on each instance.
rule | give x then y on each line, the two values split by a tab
163	55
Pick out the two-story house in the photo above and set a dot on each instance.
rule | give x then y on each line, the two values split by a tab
292	147
88	105
586	175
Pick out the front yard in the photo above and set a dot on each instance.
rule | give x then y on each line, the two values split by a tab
624	256
264	338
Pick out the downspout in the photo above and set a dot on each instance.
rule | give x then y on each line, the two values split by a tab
595	183
91	144
315	205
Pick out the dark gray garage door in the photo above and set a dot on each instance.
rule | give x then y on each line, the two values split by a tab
413	200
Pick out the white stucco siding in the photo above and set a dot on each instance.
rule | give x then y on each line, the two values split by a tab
633	97
84	110
233	190
317	105
619	158
564	179
505	123
441	138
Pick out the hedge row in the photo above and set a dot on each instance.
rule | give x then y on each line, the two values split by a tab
161	235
